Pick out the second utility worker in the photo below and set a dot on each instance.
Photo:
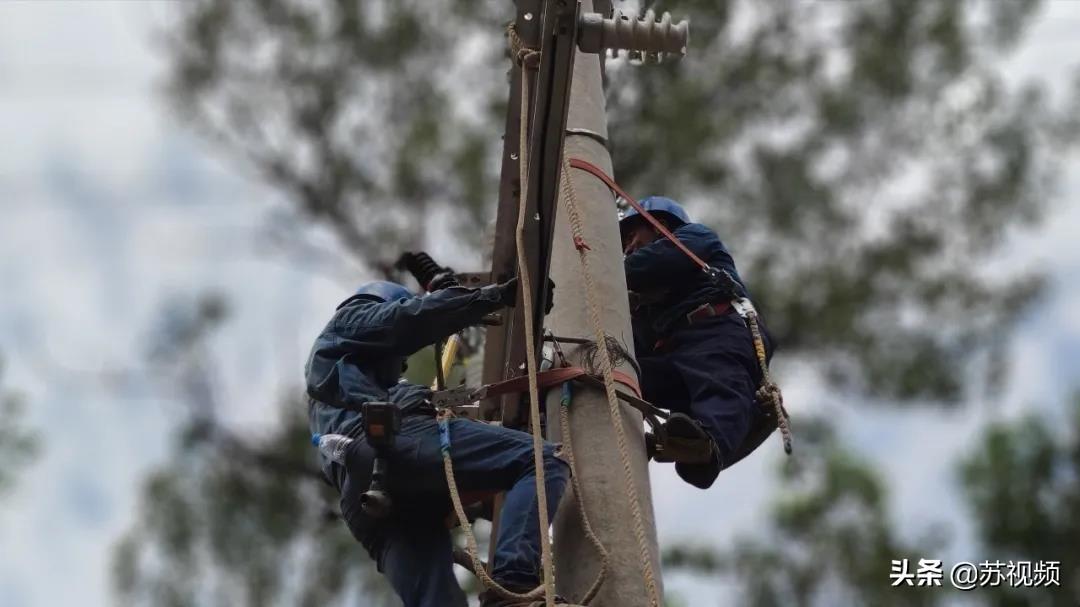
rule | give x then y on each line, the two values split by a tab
697	356
359	358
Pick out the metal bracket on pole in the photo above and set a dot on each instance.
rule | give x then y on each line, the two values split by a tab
551	27
551	105
502	352
558	29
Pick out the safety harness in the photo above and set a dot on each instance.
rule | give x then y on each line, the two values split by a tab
768	394
537	190
461	401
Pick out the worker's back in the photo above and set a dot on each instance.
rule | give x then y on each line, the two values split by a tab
662	267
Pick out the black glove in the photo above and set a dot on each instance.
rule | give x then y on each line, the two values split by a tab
443	280
508	294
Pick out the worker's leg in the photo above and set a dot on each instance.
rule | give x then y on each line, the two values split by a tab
661	383
493	458
485	458
418	561
412	546
415	556
663	386
715	360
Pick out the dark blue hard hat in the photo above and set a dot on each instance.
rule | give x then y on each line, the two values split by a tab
661	208
384	290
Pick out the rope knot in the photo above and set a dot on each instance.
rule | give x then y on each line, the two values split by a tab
527	58
769	395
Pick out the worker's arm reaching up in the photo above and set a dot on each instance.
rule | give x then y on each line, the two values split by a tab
361	352
354	370
403	326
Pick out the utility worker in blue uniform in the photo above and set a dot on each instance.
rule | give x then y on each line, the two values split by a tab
696	354
358	358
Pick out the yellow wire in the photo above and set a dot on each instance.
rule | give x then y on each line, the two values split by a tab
449	357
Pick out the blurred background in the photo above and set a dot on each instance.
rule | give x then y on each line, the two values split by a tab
189	188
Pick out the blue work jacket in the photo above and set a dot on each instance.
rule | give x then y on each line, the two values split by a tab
661	268
365	333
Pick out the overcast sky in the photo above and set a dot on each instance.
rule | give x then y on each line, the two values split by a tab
110	209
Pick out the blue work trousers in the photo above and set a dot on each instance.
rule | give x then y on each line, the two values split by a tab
412	547
709	371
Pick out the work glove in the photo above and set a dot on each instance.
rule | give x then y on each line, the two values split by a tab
509	289
443	280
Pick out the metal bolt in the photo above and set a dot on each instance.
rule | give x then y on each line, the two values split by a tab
528	16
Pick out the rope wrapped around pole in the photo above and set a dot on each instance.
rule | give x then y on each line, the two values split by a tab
606	367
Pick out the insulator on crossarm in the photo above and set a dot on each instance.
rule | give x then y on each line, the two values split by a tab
643	37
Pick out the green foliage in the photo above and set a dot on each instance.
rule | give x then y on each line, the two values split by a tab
18	445
862	159
348	107
421	368
234	519
248	520
1023	486
830	542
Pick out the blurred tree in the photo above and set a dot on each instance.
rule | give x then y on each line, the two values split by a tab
863	159
17	444
1023	486
231	521
369	115
831	541
234	520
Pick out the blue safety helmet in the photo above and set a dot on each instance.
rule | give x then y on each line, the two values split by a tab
661	208
384	290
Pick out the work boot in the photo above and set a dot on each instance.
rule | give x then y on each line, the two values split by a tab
698	468
701	476
681	440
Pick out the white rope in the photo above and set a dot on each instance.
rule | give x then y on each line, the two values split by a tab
606	368
530	344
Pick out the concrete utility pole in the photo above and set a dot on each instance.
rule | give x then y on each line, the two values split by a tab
598	465
578	113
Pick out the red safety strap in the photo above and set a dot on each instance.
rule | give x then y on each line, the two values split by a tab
588	167
552	377
627	381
